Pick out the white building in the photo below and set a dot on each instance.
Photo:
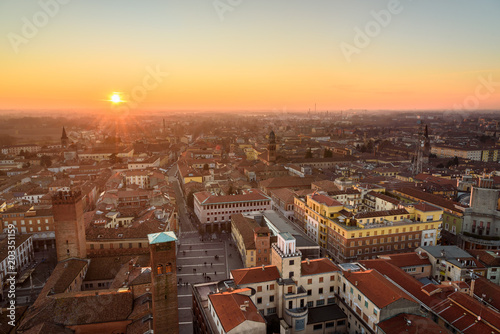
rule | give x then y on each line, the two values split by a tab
214	212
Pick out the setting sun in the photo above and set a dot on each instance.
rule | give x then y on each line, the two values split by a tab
116	98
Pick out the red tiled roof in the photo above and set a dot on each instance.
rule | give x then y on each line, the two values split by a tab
490	290
462	317
318	266
227	306
425	207
477	308
417	325
205	197
255	275
430	198
403	260
376	287
325	200
384	197
384	213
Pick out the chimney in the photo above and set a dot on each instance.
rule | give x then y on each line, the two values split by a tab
263	267
308	262
356	283
472	284
243	307
130	265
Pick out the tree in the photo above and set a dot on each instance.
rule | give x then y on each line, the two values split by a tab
309	154
45	161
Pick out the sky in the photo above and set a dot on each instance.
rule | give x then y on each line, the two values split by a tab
285	55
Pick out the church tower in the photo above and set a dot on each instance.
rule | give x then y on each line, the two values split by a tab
67	208
64	139
162	249
271	148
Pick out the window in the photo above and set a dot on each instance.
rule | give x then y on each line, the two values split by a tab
159	269
375	311
271	310
366	304
321	279
332	289
292	262
320	302
259	288
290	289
310	304
317	327
320	290
259	300
309	281
359	297
340	322
329	324
309	292
271	299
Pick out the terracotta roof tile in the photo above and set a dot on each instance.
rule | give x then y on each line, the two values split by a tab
227	306
376	287
318	266
249	195
325	200
417	325
255	275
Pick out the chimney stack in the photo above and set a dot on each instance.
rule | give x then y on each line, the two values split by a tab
471	290
308	262
263	267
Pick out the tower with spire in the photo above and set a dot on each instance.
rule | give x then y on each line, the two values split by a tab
271	148
64	138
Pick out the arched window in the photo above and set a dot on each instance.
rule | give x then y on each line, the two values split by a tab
159	269
168	268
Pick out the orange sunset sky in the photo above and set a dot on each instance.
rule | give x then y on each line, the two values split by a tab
249	55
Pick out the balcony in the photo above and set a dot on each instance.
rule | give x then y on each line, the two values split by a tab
297	312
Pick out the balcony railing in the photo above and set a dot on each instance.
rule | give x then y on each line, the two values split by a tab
297	312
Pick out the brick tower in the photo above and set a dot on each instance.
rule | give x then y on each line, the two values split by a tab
164	282
67	208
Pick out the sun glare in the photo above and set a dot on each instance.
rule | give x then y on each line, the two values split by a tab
116	98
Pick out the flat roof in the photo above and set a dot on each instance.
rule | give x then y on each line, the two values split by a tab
325	313
281	225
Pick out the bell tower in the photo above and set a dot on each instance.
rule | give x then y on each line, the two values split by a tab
271	148
162	248
67	208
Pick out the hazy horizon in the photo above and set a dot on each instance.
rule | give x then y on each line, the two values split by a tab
229	56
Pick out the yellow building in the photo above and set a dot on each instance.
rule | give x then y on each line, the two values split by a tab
349	237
